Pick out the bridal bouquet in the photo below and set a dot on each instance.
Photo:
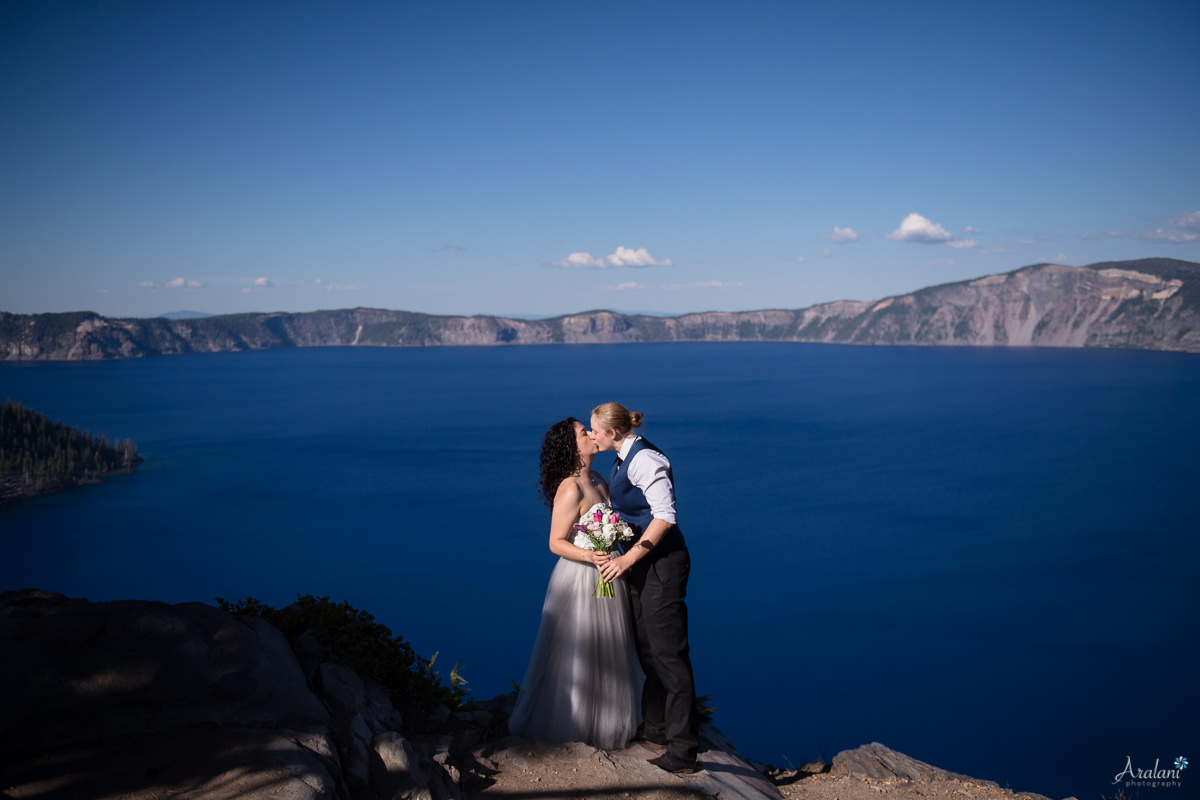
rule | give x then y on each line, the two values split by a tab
603	528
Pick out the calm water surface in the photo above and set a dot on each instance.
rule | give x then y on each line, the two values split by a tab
985	558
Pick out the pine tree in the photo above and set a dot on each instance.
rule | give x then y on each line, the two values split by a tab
38	455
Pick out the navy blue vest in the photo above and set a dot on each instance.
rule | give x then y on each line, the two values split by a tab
631	502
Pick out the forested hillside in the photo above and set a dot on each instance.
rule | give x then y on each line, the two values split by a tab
39	456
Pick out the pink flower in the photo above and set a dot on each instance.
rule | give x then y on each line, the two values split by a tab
598	517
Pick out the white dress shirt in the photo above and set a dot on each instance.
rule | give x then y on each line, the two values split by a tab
648	472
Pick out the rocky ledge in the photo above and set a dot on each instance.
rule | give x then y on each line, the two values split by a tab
144	700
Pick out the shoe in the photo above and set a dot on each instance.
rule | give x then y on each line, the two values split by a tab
650	743
675	765
640	737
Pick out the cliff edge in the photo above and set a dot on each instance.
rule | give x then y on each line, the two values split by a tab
141	700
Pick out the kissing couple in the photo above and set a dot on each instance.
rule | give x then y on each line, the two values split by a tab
601	666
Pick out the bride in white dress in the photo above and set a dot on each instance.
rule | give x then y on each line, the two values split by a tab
584	683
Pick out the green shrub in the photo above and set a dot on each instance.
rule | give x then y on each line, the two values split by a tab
355	638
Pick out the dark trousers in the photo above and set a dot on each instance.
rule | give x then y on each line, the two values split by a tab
657	592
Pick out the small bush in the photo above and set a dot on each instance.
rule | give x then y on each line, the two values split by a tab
354	637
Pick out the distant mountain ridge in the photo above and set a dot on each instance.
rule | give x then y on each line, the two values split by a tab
1151	304
185	314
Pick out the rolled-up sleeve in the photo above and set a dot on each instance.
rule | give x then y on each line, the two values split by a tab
649	471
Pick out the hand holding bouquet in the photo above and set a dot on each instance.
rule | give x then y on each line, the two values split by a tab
603	528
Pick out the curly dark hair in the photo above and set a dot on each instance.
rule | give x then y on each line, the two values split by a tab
560	458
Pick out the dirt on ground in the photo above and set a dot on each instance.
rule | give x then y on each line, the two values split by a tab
518	769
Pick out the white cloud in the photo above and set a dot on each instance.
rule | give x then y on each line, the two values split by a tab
704	285
1168	237
826	253
621	257
916	228
147	284
624	287
800	259
580	261
841	235
1188	222
971	230
263	282
1181	229
624	257
183	283
961	243
333	287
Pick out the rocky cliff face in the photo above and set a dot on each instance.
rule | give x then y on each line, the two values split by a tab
1151	304
147	700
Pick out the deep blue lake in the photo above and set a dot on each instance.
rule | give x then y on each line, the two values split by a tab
984	558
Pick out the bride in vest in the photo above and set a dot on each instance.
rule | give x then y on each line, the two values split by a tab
583	683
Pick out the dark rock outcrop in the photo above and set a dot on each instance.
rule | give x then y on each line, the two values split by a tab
1151	304
145	700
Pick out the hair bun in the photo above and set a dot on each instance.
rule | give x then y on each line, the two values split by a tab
635	418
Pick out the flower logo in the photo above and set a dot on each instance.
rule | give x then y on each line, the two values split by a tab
1181	763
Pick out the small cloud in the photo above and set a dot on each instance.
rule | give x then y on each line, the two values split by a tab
625	287
704	285
1188	222
621	257
1060	258
148	285
580	261
800	259
183	283
333	287
263	282
1167	236
624	257
827	253
454	247
916	228
102	291
1179	229
841	235
971	230
961	243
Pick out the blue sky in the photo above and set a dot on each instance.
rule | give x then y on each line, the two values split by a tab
542	158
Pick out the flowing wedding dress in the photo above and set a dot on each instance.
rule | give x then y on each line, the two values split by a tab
584	683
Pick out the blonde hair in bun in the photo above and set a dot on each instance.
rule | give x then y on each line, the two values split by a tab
617	418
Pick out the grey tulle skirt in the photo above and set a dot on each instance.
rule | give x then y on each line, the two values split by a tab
583	683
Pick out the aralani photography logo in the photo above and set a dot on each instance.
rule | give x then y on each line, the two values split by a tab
1153	778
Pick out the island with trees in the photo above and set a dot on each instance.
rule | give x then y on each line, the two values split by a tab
39	456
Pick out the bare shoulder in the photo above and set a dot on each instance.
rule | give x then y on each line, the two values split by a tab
569	493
